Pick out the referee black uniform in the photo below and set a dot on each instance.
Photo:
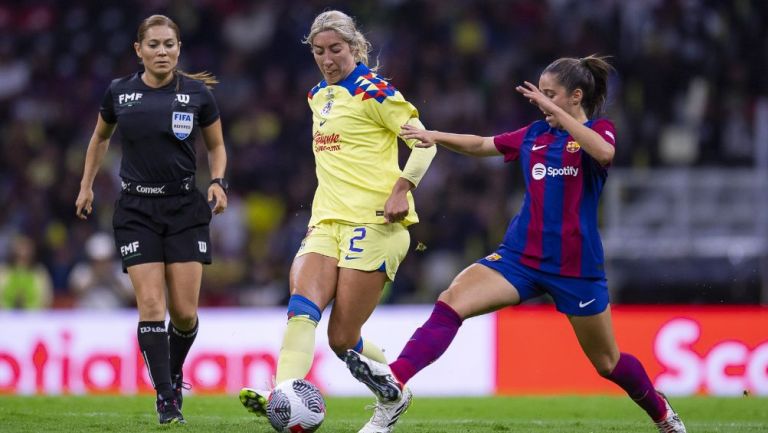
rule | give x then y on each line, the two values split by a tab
160	216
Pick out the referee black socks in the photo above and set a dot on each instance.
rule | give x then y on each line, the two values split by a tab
153	343
180	342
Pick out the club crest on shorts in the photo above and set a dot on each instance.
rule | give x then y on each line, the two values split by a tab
181	124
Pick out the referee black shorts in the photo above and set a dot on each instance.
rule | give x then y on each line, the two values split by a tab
168	229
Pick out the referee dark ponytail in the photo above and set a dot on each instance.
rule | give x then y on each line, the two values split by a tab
161	20
590	74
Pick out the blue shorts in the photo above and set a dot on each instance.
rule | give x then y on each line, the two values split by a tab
572	295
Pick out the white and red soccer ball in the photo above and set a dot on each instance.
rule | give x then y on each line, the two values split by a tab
296	406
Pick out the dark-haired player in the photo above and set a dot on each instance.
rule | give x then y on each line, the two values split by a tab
551	246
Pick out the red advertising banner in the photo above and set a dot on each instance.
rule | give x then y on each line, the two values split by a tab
96	352
685	350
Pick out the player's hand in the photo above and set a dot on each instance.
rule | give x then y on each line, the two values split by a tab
534	95
410	132
218	197
396	207
84	203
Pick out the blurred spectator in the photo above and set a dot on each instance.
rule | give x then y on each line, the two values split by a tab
100	283
24	282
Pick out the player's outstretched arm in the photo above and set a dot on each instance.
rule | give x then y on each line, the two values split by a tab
467	144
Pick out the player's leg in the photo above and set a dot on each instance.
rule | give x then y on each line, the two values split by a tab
313	285
357	294
595	335
370	257
184	281
477	290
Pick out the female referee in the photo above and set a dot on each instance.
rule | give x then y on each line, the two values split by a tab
551	246
161	220
357	234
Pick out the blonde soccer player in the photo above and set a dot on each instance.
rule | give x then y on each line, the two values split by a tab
358	232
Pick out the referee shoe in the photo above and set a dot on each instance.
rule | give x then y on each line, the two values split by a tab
168	411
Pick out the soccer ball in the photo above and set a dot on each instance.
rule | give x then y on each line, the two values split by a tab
296	406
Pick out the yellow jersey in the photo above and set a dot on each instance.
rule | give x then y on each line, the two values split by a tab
355	125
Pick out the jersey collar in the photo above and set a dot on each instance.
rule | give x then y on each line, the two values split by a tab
351	79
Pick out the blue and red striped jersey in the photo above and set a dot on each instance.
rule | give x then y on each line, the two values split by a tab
556	228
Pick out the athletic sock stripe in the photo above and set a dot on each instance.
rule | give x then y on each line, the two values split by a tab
149	370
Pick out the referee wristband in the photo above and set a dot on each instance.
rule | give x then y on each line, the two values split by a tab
222	183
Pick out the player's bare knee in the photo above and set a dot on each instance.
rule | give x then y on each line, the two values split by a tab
451	297
447	296
604	367
340	342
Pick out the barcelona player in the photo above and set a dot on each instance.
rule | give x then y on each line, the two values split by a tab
552	245
362	207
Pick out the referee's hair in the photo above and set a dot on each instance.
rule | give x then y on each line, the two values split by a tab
161	20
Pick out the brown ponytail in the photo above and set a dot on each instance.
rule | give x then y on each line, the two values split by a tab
590	74
206	77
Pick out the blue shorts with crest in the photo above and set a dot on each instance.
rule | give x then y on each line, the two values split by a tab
572	295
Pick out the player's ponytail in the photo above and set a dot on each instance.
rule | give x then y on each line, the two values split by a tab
161	20
590	74
600	70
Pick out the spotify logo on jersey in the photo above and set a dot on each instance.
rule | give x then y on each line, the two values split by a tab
539	171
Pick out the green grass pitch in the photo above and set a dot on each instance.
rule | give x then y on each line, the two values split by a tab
220	414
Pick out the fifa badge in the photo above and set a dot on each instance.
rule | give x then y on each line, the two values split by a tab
181	124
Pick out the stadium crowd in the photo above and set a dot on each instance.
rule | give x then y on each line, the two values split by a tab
694	68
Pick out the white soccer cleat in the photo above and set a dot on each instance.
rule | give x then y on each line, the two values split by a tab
671	422
386	414
376	376
255	400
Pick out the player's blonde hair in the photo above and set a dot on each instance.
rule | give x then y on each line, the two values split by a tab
161	20
345	27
